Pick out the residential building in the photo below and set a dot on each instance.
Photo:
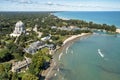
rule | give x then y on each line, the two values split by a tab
18	66
34	47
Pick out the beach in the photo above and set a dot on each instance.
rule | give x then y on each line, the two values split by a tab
74	37
49	73
118	30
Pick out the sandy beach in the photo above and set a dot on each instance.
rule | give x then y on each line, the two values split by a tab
74	37
118	30
49	73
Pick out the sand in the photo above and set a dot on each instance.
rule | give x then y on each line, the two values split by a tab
73	37
118	30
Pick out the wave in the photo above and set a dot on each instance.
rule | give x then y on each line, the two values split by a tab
55	74
71	51
60	56
67	49
100	53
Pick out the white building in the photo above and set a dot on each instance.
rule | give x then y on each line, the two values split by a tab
46	38
35	28
19	29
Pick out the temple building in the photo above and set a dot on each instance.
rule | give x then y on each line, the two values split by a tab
19	29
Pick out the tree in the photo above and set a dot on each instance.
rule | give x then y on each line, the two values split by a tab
37	64
14	76
29	76
4	72
5	55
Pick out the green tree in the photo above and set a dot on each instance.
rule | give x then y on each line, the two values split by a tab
4	72
37	64
14	76
29	76
5	55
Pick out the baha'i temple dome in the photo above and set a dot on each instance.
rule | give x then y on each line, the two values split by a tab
19	29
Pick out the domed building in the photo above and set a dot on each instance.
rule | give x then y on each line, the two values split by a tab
19	29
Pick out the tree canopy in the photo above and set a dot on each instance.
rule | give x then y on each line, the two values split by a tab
29	76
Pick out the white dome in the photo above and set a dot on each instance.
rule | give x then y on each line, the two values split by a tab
19	24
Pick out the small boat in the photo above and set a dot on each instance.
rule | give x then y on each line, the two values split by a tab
100	53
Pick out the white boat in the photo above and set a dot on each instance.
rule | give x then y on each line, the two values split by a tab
100	53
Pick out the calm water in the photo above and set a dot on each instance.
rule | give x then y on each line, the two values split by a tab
112	18
82	60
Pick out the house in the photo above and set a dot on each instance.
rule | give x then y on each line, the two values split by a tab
64	28
54	27
18	66
76	28
34	47
46	38
35	28
50	46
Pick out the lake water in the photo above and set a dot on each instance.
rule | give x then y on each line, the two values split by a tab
108	17
95	57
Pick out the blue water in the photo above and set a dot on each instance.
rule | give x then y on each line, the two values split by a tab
82	61
111	18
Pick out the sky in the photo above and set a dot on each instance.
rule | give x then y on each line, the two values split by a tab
59	5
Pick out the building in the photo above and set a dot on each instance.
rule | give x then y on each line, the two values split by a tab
18	66
54	27
46	38
51	46
19	29
35	28
34	47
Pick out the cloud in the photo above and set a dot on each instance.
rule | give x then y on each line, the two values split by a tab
59	5
84	5
21	1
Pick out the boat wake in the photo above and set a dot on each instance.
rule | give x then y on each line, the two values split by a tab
60	56
100	53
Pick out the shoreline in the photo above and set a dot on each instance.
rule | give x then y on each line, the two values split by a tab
74	37
48	73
